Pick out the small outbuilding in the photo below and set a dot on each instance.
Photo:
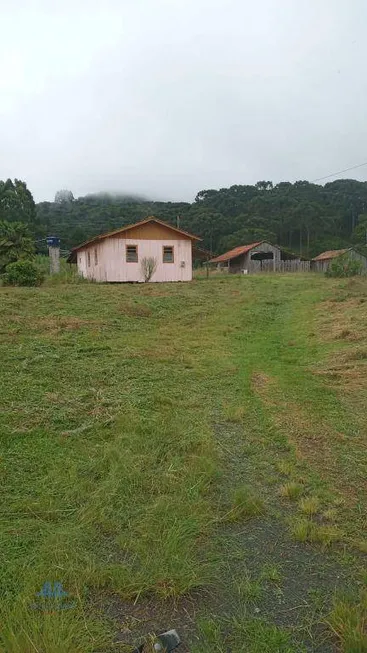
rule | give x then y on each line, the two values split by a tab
256	257
321	262
129	253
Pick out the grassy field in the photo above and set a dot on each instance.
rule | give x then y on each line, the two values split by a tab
188	456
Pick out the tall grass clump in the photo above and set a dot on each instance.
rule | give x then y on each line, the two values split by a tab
68	272
348	621
245	504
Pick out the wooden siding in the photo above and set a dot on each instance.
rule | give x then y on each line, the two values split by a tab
245	261
322	265
151	231
294	265
113	267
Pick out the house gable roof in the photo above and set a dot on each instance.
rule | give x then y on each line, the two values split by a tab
331	253
122	230
233	253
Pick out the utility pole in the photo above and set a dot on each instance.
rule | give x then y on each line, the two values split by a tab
53	243
178	221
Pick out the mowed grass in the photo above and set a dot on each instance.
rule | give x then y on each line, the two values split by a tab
113	478
107	456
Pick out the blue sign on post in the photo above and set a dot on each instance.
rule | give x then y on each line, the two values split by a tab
53	241
52	597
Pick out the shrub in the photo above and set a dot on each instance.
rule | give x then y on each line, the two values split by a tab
16	243
344	266
22	273
148	267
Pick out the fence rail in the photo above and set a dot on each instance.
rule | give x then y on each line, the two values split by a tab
280	266
267	266
294	266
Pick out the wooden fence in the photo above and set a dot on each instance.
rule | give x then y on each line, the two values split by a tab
267	266
280	266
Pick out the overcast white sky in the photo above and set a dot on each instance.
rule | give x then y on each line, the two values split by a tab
167	97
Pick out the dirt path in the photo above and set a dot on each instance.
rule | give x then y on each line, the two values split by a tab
268	576
294	435
278	429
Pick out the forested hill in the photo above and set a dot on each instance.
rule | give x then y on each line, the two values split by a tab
304	217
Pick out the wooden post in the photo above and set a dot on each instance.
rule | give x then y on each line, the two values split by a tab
54	253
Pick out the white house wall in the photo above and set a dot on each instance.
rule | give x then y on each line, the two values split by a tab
82	263
112	266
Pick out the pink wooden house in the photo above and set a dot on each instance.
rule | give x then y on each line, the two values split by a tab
122	255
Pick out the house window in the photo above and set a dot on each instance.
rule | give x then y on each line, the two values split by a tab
95	256
168	256
131	253
88	258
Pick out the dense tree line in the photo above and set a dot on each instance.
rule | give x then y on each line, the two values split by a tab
16	202
18	222
303	217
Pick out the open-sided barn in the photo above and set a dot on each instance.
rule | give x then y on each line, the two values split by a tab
258	257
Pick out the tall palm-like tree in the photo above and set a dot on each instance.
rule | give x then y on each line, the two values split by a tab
16	243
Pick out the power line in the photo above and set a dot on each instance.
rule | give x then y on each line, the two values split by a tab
339	172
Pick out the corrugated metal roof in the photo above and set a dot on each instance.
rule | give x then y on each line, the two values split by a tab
131	226
331	253
233	253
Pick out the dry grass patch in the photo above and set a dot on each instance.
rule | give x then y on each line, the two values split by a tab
285	467
133	309
309	505
324	535
54	325
359	354
347	334
330	514
291	490
305	530
314	440
260	380
234	414
348	621
346	369
342	320
361	545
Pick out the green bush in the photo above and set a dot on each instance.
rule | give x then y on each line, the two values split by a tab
22	273
344	266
